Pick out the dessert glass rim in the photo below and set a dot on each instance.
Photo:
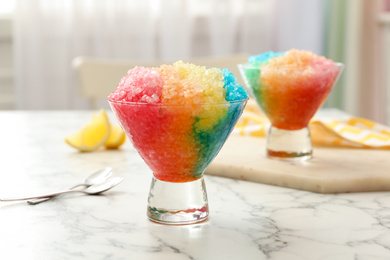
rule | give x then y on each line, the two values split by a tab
122	102
265	66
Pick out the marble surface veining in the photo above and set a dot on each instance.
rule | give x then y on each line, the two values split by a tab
247	220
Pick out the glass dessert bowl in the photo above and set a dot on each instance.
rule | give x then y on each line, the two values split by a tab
178	142
178	117
290	96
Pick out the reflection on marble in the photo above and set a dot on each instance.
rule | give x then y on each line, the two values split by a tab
247	220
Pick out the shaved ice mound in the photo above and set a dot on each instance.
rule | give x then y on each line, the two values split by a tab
180	83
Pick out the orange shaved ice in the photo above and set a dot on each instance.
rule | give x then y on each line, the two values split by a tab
297	58
178	90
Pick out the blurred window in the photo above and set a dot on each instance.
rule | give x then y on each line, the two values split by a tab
7	7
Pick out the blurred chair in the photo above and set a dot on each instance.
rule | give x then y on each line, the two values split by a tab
97	78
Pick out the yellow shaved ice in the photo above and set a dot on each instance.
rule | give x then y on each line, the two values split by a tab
211	84
211	80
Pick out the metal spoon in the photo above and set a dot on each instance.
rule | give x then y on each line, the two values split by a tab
95	178
91	190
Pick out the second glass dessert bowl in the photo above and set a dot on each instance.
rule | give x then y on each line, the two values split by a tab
290	96
178	142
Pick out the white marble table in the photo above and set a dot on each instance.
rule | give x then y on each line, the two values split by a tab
247	220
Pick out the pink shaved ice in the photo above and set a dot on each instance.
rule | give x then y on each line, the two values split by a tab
141	84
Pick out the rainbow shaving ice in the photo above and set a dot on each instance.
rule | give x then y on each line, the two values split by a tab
290	86
178	116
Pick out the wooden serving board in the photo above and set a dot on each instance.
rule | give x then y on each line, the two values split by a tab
331	170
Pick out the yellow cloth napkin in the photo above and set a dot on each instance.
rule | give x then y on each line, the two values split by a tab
349	131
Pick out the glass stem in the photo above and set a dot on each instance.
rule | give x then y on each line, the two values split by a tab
177	203
293	145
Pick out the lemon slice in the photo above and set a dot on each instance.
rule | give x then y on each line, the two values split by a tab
116	138
94	134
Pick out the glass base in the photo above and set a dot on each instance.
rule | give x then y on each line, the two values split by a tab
290	145
177	203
